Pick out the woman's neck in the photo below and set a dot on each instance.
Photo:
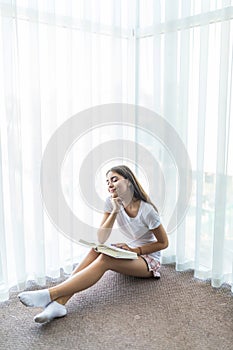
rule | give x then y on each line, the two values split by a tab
130	204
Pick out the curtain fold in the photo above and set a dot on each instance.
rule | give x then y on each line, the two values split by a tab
59	58
3	251
13	131
201	127
221	164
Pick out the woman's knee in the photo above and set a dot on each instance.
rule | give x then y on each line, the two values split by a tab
93	253
105	260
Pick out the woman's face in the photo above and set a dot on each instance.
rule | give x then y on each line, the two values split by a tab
117	184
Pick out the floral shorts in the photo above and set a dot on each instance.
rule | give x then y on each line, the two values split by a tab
152	264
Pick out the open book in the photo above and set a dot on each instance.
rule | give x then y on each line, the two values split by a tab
110	250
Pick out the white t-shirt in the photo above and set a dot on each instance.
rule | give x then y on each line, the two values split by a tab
137	229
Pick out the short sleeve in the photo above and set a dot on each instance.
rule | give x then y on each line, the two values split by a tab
108	205
153	219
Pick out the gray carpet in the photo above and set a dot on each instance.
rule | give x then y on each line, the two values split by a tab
120	312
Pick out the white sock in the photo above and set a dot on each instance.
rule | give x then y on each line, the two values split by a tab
53	310
37	298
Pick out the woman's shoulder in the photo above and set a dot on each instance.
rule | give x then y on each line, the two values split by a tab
147	205
148	208
150	216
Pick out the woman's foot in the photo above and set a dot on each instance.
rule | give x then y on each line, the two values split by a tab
37	298
53	310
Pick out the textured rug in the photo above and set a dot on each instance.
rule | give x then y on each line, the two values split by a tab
121	312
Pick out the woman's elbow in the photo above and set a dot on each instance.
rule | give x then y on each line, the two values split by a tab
165	244
102	235
100	238
101	241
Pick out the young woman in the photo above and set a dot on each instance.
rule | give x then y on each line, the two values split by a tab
138	219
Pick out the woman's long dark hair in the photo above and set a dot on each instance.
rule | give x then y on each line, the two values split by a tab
139	192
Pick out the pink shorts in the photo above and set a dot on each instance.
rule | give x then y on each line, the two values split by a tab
152	264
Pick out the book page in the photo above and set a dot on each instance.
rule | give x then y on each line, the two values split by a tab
116	252
110	250
88	244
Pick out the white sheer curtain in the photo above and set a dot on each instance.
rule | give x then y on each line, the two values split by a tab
185	74
58	58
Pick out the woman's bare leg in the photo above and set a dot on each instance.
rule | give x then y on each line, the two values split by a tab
88	259
91	274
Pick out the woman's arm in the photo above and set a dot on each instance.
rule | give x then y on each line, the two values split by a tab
108	220
106	227
162	242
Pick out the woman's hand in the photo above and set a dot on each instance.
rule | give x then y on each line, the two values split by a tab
116	203
122	246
